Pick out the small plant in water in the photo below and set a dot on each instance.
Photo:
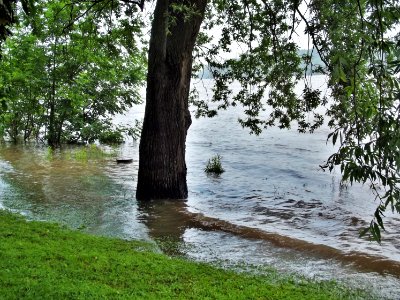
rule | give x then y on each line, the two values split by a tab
49	153
214	165
89	152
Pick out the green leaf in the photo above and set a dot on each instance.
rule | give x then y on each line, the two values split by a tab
335	135
376	232
379	219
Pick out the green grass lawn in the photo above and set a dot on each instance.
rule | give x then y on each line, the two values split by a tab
44	261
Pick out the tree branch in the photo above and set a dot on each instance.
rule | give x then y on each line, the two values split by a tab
312	37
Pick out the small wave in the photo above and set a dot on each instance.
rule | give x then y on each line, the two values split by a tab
290	172
280	146
253	197
307	205
305	150
281	214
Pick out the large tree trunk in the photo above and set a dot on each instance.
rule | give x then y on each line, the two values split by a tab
162	167
6	18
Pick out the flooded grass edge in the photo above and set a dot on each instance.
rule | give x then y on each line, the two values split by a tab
46	260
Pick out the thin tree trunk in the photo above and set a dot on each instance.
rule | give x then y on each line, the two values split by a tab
52	122
162	167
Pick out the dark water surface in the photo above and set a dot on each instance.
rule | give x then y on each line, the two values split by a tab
272	206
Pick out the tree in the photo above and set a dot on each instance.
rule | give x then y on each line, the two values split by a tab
63	81
162	167
364	78
22	81
358	43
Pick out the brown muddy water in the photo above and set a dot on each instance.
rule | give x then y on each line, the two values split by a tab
272	207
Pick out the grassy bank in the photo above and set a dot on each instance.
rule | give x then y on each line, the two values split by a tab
43	261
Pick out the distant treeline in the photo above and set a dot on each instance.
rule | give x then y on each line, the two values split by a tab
315	61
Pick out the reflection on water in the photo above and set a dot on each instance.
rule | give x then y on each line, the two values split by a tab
165	218
273	205
78	192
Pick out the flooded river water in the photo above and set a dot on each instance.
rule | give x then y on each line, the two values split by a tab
272	206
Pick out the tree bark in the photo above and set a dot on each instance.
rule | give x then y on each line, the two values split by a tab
6	18
51	139
162	166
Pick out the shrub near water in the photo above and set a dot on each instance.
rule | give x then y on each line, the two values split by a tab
214	165
43	261
89	152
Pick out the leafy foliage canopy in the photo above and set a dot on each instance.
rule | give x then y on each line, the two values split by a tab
63	80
